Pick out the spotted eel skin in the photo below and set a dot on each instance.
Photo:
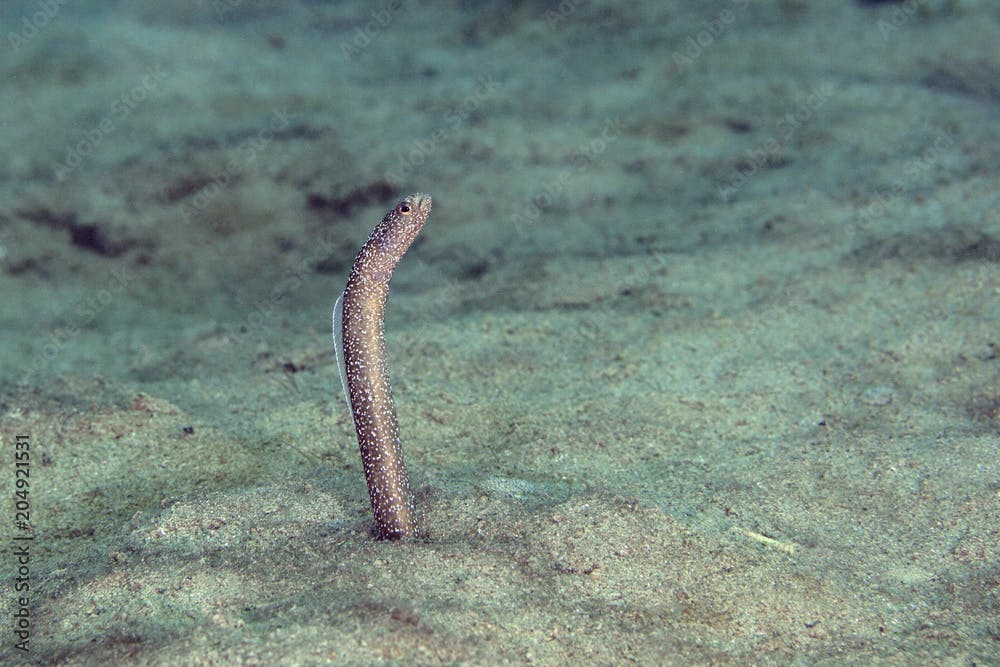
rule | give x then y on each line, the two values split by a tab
360	313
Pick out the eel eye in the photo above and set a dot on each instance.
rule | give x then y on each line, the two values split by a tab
405	208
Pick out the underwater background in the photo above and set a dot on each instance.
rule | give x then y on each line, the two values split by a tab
696	361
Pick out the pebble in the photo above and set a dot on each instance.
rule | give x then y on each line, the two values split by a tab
878	396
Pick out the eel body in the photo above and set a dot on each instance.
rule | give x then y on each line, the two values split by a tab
360	314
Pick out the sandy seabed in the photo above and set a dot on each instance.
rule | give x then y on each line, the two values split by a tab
696	361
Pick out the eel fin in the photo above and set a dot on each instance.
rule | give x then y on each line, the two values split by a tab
338	347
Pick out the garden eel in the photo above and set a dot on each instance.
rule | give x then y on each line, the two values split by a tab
359	342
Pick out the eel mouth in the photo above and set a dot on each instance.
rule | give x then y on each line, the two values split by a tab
421	201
